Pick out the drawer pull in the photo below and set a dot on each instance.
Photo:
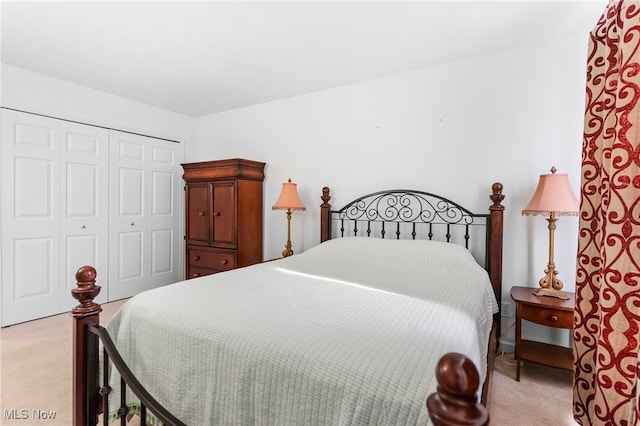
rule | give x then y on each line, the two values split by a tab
201	213
224	262
196	257
195	275
553	318
216	213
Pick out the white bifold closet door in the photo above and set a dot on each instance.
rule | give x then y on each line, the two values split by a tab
144	214
74	195
54	212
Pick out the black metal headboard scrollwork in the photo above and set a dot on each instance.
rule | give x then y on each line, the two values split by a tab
409	214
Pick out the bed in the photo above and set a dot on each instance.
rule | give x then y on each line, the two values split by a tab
357	330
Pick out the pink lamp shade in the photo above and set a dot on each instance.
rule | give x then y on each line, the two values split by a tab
553	195
289	199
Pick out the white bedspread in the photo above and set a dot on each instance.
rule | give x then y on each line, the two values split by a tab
347	333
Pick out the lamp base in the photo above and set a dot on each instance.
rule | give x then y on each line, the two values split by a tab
287	247
287	251
551	292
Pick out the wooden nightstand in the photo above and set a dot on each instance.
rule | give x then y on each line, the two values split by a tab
548	311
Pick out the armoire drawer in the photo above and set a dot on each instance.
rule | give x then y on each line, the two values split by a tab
195	272
211	259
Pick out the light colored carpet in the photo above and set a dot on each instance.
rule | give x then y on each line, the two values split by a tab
35	370
35	380
542	397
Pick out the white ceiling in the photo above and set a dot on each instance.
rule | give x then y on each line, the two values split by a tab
202	57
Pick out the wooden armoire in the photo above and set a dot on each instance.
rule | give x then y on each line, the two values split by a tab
223	215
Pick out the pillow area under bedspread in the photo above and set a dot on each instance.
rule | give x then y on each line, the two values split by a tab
348	332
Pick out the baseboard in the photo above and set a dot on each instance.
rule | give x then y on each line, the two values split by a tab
506	347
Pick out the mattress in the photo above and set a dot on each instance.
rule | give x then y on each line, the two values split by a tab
346	333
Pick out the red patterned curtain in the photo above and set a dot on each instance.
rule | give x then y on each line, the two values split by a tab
607	318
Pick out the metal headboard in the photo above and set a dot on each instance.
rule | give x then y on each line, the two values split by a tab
410	214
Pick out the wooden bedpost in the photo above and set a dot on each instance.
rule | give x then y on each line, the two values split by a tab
494	252
455	402
496	212
325	216
85	348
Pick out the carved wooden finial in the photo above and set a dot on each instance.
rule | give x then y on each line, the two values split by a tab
325	215
325	197
496	196
86	290
456	402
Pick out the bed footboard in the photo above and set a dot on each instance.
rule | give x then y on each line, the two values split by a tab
85	349
89	397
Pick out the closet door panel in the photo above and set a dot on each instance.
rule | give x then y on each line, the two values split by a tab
161	224
32	132
162	242
164	217
84	220
29	168
162	194
33	270
83	250
34	194
128	196
130	257
144	214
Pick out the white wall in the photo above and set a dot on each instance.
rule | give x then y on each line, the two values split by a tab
453	129
32	92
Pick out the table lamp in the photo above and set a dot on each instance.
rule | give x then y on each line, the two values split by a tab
553	197
288	201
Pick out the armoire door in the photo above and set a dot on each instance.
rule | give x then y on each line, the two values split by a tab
144	214
224	215
54	212
198	211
